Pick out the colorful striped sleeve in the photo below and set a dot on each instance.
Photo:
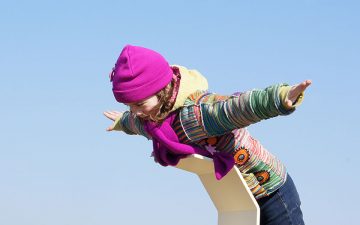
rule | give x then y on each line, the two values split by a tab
130	125
241	110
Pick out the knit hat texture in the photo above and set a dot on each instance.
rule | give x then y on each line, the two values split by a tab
138	74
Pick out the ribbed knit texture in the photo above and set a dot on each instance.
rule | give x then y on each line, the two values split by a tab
217	123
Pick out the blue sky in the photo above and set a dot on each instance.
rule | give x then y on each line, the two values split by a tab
59	166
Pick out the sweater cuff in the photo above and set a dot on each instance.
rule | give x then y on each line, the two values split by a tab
117	123
284	91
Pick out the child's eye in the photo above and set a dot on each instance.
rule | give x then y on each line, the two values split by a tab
140	104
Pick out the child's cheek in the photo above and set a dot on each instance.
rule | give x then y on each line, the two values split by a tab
147	109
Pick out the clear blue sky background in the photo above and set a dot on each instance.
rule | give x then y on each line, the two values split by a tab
59	166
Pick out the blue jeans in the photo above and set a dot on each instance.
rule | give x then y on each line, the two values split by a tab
282	207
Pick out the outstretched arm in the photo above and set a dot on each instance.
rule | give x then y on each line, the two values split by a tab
237	111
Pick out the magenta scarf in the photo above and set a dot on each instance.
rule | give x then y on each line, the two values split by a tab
168	150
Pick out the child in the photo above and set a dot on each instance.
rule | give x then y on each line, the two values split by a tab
171	106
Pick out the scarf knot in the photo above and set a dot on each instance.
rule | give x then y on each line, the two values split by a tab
167	149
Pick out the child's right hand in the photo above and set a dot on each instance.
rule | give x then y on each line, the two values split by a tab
113	115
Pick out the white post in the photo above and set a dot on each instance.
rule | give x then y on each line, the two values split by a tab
231	196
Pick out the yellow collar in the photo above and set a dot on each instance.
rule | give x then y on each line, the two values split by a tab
191	81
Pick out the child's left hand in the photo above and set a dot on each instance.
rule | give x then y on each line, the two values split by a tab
295	91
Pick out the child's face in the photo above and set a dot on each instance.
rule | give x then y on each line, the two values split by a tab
144	108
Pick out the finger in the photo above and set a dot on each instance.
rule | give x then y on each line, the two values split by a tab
288	103
106	114
302	87
116	112
109	115
307	83
111	128
113	113
298	89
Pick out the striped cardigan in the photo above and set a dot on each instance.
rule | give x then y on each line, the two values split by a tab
218	123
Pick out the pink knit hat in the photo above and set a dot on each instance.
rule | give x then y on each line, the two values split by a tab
138	74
